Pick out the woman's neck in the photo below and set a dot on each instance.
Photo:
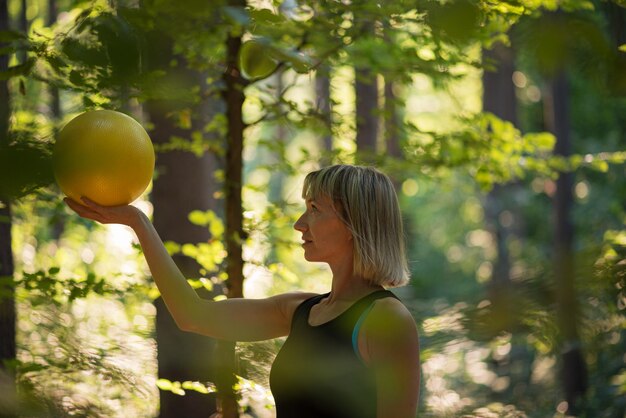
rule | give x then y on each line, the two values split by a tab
346	286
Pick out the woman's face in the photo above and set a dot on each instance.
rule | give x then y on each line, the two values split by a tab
325	237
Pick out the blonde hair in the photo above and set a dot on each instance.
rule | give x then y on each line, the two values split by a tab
366	202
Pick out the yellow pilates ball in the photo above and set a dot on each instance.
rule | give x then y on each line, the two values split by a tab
104	155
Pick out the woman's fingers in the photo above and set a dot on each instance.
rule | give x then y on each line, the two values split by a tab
87	202
89	209
82	210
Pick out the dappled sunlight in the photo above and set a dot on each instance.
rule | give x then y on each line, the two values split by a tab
543	370
98	362
94	354
477	368
477	173
440	397
450	320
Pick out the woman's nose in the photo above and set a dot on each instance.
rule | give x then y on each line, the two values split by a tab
300	225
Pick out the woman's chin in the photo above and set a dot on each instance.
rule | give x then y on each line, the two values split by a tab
309	257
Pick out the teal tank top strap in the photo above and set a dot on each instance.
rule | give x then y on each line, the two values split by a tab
373	297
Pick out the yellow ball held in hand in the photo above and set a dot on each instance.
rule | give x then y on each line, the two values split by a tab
104	155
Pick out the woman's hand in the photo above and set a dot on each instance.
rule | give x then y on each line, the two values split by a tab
125	214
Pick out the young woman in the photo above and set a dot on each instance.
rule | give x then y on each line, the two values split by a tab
351	352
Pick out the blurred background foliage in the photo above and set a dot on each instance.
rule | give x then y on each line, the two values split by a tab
479	189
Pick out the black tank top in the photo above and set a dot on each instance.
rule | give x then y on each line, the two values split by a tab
318	373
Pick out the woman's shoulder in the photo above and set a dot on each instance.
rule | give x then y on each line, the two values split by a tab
391	335
389	315
289	302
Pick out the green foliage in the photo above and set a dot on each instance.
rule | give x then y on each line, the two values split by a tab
612	265
25	165
46	287
178	388
210	255
208	219
577	42
103	56
455	21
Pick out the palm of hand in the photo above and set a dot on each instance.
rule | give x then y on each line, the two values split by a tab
125	214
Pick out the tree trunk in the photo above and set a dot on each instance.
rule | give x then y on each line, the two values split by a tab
498	88
322	93
367	109
391	125
366	88
22	26
499	99
55	115
574	372
233	97
55	100
5	108
616	17
7	303
7	285
277	177
184	183
392	121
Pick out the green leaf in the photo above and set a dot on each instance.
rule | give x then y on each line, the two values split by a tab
198	217
542	141
600	165
172	247
174	387
30	367
76	51
299	61
164	384
76	78
197	386
256	60
24	166
575	161
456	20
210	219
190	250
616	157
8	50
11	35
265	16
17	70
237	15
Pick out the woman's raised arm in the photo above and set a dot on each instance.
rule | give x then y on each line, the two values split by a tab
230	319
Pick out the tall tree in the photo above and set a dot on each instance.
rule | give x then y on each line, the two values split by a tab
366	96
234	97
392	120
366	89
55	100
573	368
54	109
499	99
22	26
184	182
323	104
7	285
182	356
277	177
